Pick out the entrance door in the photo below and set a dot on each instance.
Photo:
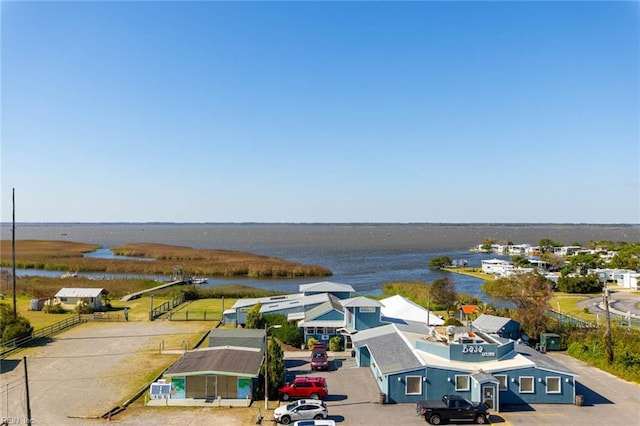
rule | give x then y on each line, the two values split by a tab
488	396
212	387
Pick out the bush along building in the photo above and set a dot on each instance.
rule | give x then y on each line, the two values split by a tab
411	361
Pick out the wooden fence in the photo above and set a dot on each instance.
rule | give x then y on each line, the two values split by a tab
12	345
187	315
166	307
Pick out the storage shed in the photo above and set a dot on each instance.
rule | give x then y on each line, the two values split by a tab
94	298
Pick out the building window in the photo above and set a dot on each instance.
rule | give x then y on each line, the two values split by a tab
413	385
367	309
462	383
526	384
553	384
502	378
311	330
330	330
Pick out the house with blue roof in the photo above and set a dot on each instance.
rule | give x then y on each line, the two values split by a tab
412	361
324	321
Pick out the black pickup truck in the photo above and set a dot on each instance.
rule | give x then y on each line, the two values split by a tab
452	408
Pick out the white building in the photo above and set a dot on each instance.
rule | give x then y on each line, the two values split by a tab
496	266
401	308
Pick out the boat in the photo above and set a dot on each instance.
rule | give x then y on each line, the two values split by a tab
194	280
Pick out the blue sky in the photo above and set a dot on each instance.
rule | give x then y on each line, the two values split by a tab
321	112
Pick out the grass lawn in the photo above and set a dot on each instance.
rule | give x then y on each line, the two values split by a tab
567	304
138	309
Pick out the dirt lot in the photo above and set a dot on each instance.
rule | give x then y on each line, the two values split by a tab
90	369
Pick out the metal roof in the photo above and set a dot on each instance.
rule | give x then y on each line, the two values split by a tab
490	323
360	302
325	287
402	308
80	292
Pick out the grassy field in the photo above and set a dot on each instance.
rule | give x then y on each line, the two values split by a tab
154	259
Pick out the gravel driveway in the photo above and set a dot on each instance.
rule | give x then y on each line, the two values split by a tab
86	371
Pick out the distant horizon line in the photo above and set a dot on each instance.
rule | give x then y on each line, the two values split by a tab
327	223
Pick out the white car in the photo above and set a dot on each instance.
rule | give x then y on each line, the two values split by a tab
323	422
303	409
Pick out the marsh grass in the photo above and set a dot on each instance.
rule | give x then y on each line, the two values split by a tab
69	256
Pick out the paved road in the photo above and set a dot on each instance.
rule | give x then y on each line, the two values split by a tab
607	400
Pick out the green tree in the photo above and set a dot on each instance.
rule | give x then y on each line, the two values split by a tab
486	245
627	257
520	261
547	244
443	293
582	262
255	319
13	328
555	261
580	284
276	368
439	262
530	293
288	332
276	372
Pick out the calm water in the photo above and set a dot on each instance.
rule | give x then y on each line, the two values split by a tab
363	255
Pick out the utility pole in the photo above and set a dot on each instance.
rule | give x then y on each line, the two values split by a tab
13	253
26	383
608	340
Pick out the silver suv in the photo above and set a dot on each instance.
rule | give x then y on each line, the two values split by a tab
303	409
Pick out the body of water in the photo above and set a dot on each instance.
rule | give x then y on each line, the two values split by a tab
362	255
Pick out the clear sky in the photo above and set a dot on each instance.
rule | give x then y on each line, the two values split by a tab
321	111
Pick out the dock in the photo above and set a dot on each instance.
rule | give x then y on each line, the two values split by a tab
138	294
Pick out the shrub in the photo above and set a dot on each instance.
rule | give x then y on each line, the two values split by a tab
583	285
453	321
54	308
83	308
13	328
336	344
311	342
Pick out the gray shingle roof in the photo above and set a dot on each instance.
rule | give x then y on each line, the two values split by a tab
390	351
332	304
219	361
541	360
241	337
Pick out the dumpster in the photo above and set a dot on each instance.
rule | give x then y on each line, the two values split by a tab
550	341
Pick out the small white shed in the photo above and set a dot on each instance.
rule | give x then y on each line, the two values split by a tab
95	298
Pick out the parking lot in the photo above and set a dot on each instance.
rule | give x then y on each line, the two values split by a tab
354	397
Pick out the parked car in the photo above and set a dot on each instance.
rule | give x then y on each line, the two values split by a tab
304	409
452	408
323	422
319	359
304	387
